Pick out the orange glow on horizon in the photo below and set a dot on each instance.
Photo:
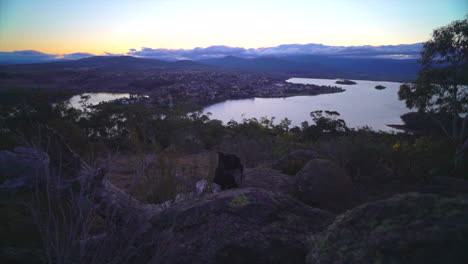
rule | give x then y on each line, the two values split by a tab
101	47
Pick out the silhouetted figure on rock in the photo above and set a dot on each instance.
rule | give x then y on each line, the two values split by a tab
230	171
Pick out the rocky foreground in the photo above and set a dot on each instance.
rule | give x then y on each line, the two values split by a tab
305	210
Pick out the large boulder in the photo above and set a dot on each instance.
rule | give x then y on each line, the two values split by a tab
235	226
295	161
323	184
269	179
409	228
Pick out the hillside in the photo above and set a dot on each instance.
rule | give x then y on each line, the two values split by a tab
109	63
281	67
99	74
324	67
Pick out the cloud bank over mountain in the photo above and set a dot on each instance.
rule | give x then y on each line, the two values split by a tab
396	51
404	51
25	56
32	56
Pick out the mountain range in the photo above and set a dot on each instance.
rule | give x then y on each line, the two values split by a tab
324	67
404	51
390	63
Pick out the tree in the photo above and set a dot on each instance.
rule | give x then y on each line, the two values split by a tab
326	122
441	89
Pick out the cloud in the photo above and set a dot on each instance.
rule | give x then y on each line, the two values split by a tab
193	54
33	56
390	51
113	54
76	56
25	56
319	49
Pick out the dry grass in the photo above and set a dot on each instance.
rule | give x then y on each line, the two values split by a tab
155	178
62	220
67	220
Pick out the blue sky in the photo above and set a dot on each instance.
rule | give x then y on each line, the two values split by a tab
97	26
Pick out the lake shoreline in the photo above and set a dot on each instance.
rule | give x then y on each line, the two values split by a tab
361	105
293	90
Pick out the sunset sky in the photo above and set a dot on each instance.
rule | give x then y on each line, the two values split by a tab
97	26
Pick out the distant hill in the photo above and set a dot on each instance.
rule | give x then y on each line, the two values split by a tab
111	63
387	62
130	61
99	73
325	67
283	67
262	64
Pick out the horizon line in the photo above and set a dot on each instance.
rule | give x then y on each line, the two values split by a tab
107	53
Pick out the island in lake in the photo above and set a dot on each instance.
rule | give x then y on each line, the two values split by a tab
380	87
348	82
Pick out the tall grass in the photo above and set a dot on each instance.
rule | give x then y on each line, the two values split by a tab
71	225
161	176
155	178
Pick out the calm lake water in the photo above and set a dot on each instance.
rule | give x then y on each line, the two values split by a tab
359	105
96	98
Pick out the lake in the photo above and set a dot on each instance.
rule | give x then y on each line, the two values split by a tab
361	104
96	98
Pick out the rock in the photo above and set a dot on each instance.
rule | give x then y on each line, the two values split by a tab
180	197
201	186
21	168
294	162
230	171
216	188
325	185
204	187
409	228
269	179
235	226
380	87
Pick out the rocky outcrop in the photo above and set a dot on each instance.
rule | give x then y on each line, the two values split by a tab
26	169
295	161
409	228
236	226
269	179
263	225
324	184
247	225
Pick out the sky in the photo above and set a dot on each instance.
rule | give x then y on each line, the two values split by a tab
116	26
